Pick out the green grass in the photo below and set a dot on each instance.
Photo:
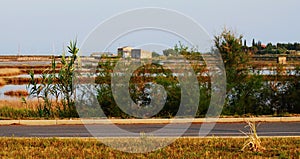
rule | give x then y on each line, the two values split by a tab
17	113
182	148
10	112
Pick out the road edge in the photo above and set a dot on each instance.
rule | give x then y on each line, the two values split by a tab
147	121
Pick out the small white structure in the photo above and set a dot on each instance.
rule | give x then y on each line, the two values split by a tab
125	52
129	52
281	60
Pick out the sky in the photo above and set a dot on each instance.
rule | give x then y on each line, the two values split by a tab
44	27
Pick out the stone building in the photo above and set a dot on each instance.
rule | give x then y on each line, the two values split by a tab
129	52
140	54
125	52
281	60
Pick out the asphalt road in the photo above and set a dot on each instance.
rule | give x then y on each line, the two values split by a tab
220	129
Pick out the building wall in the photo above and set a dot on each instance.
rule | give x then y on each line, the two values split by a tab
140	54
136	53
146	54
125	51
129	52
281	60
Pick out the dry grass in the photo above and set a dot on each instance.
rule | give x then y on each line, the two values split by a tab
2	82
28	109
25	109
253	142
17	93
181	148
23	103
19	104
17	80
4	72
20	80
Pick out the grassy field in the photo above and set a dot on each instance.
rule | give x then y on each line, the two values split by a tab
182	148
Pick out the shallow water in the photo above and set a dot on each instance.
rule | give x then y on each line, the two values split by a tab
24	86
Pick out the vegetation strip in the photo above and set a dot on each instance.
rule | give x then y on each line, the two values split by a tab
258	83
182	148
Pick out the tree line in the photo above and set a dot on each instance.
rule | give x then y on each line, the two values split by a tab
247	93
269	48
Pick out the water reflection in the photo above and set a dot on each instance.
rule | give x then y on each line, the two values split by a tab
12	87
6	88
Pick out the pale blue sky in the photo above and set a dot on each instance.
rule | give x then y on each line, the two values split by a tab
37	25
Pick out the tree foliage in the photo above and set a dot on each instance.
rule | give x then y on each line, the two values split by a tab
241	87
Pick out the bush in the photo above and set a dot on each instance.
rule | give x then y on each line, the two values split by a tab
56	92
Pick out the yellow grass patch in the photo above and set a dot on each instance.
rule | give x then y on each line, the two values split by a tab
32	104
181	148
9	72
18	103
18	93
2	82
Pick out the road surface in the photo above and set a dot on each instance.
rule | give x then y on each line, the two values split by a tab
220	129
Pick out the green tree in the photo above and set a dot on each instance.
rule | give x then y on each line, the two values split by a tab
241	87
155	54
253	43
181	49
169	52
